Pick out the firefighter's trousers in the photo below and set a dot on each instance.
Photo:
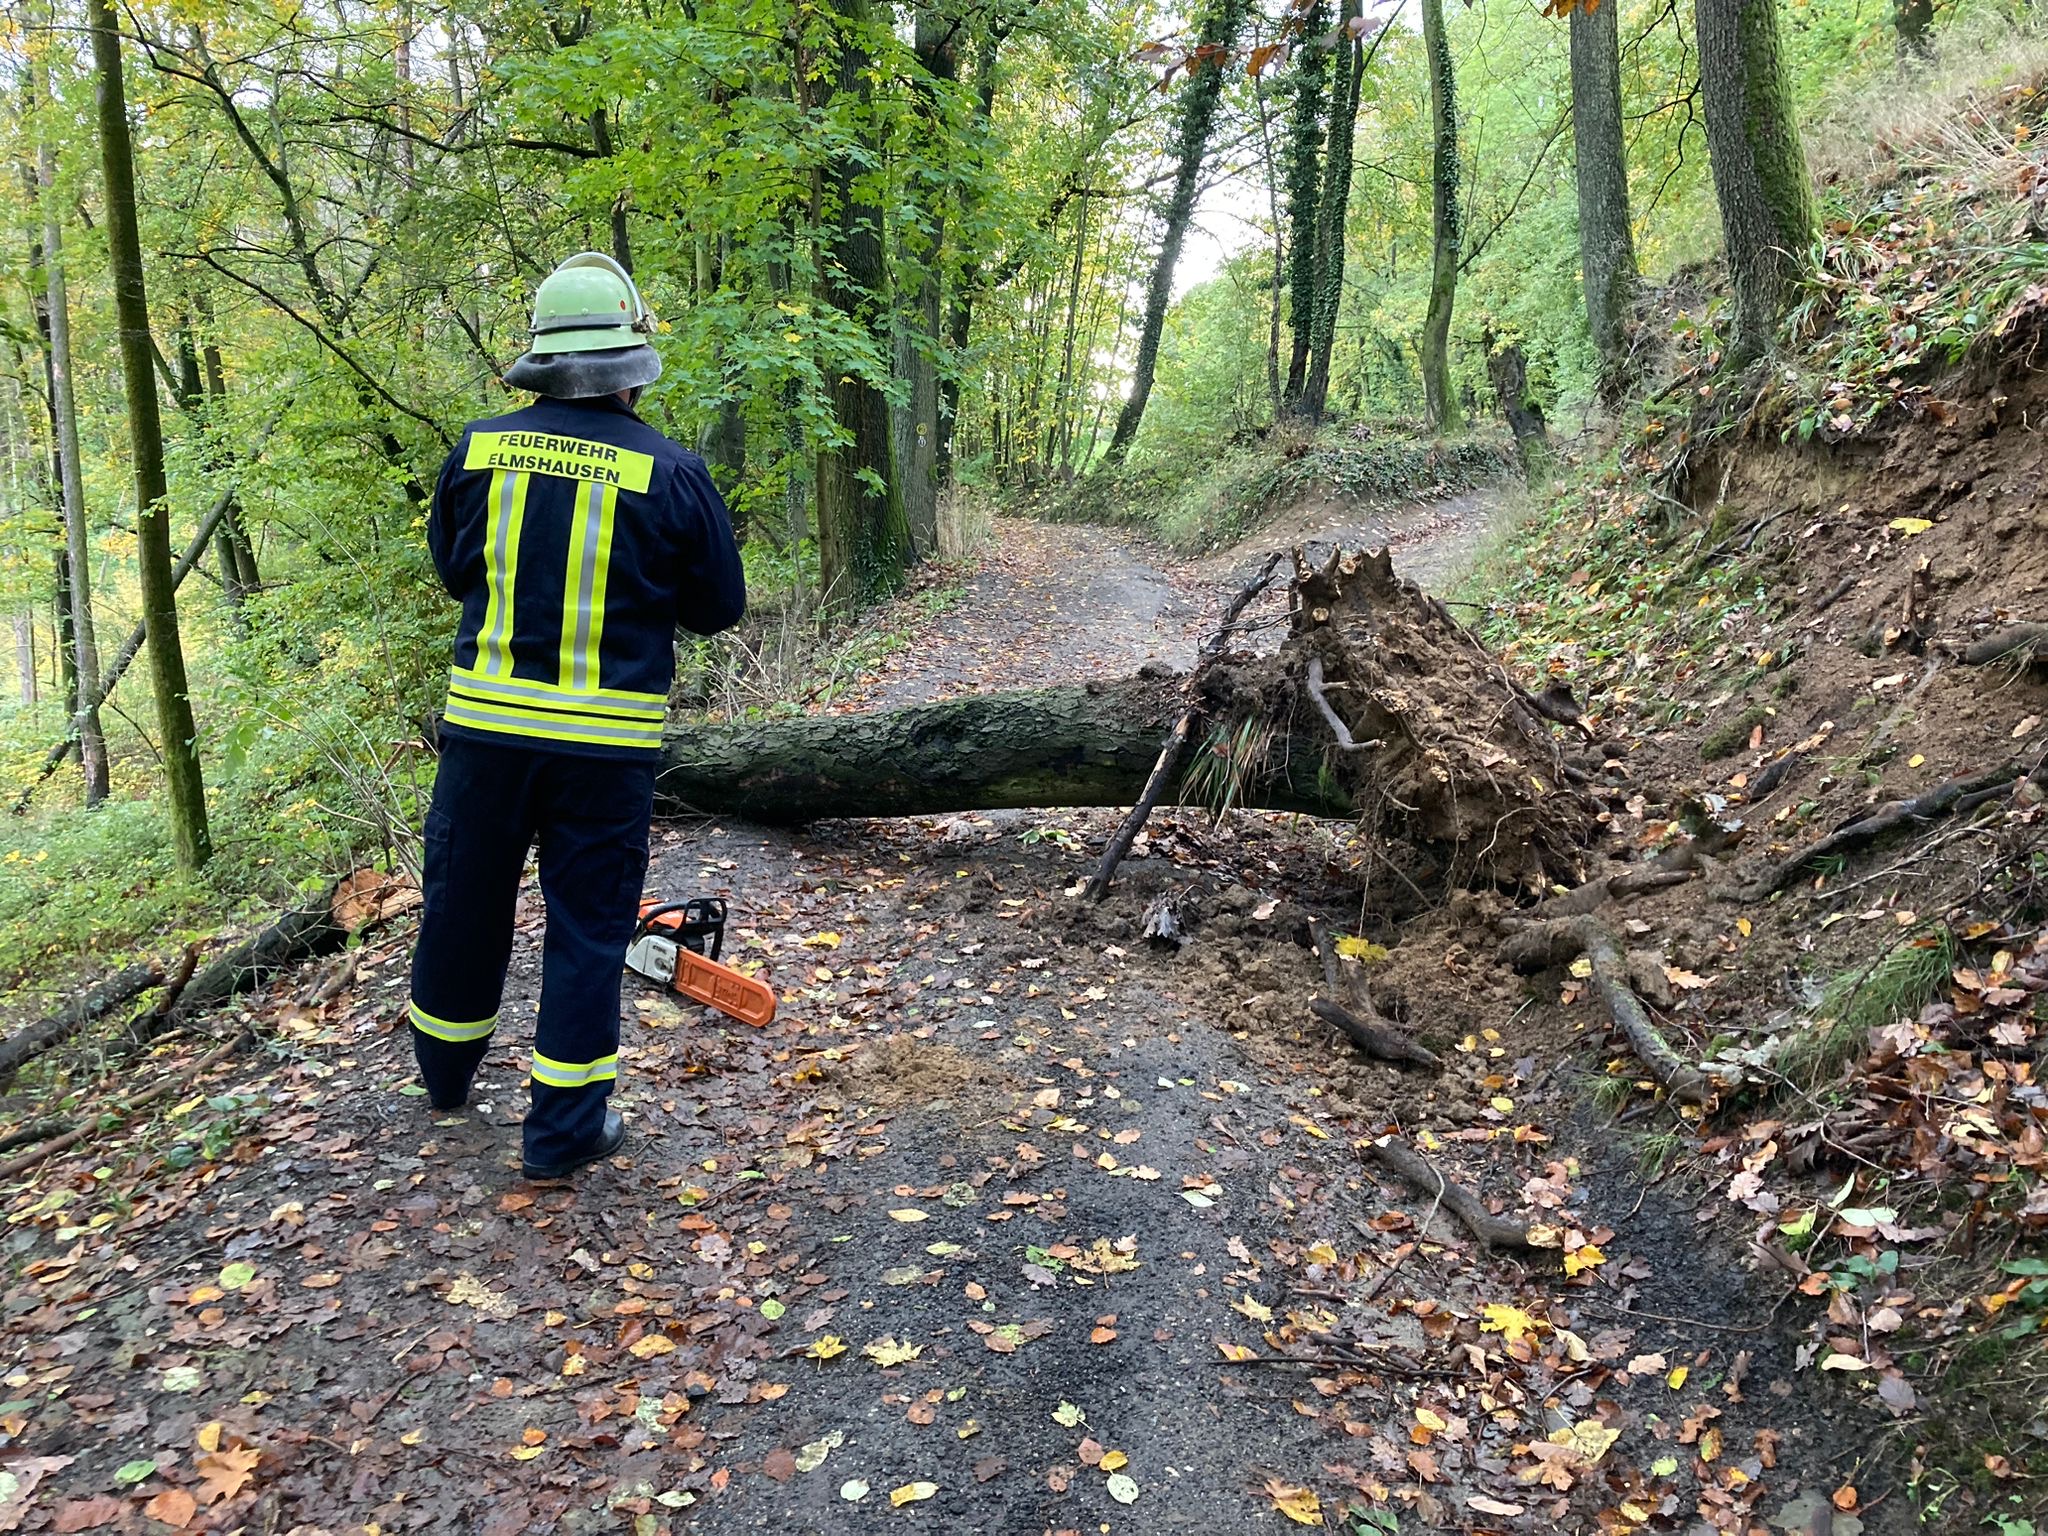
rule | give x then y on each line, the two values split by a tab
591	816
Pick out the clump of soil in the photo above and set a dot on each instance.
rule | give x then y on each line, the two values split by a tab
1447	755
901	1070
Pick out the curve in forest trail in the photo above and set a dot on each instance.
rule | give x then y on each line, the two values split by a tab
1010	1223
1071	602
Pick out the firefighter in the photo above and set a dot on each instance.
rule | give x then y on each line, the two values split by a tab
576	538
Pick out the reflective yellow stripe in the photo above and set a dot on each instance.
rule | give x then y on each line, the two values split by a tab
569	458
520	691
583	585
508	517
551	725
442	1029
574	1074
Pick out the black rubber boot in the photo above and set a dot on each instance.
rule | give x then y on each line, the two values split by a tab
610	1141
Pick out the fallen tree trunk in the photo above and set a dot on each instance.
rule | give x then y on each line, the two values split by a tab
1468	780
1075	746
19	1049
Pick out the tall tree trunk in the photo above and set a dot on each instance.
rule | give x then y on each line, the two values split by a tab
1333	202
863	540
145	429
1607	251
1059	440
1507	367
1914	22
92	741
1440	401
1760	176
601	141
920	318
1304	186
25	654
1199	99
237	549
960	308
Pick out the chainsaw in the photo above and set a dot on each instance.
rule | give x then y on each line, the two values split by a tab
677	944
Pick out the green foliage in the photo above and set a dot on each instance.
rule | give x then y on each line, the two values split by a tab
1898	984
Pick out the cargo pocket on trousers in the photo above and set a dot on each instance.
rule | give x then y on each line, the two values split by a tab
437	835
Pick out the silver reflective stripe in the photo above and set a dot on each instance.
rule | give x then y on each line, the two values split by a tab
542	724
492	654
586	582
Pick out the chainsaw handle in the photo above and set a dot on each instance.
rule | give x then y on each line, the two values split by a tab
701	916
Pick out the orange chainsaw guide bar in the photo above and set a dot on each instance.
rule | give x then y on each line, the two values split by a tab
696	977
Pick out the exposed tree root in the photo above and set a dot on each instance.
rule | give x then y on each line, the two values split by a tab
1970	789
1369	1032
1423	1176
1541	945
2026	643
1595	894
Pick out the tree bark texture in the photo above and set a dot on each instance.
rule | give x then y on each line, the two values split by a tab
1091	745
1304	169
1507	367
180	745
1440	400
964	278
92	741
1199	100
235	548
1332	204
919	317
1607	251
1914	22
1760	176
863	540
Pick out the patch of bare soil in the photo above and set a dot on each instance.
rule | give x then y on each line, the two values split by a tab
1433	541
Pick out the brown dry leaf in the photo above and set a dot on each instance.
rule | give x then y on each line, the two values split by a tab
1236	1351
225	1473
1101	1335
174	1506
1090	1452
647	1346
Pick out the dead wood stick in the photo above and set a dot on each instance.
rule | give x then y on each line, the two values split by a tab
97	1125
150	1022
1938	801
18	1050
1835	594
1375	1039
1331	718
1165	770
1370	1033
2029	642
1423	1176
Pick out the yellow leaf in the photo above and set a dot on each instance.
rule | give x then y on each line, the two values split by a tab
209	1436
910	1213
1310	1126
1235	1351
825	940
1113	1461
1587	1440
826	1347
1431	1420
1579	1260
1298	1504
1362	950
1257	1311
527	1452
1677	1377
912	1493
1582	968
1512	1321
1910	525
887	1352
1744	927
648	1345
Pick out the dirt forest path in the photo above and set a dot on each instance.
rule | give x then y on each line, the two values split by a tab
1010	1223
